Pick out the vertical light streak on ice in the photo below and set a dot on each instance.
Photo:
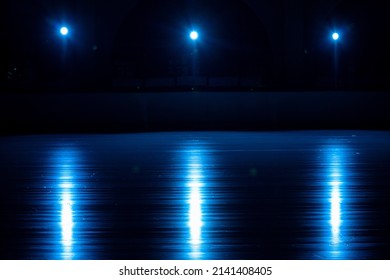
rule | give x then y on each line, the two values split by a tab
336	182
195	222
66	202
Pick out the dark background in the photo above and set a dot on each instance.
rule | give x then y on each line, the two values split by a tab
268	48
283	43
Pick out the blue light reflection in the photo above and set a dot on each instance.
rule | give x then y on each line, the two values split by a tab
336	157
195	214
66	160
67	224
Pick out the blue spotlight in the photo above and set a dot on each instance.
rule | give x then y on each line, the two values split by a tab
64	30
194	35
335	36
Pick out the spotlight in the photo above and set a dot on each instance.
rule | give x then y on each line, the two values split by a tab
194	35
64	31
335	36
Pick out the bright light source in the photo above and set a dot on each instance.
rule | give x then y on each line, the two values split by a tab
194	35
64	31
335	36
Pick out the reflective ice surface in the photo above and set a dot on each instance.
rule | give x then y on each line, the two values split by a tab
196	195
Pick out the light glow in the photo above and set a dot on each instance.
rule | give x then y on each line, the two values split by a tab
66	224
194	35
66	187
195	222
335	197
335	212
64	31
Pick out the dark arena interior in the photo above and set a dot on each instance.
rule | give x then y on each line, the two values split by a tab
195	129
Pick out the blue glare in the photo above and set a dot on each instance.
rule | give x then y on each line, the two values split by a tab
195	214
335	36
66	161
194	35
73	229
336	185
64	30
67	224
335	209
